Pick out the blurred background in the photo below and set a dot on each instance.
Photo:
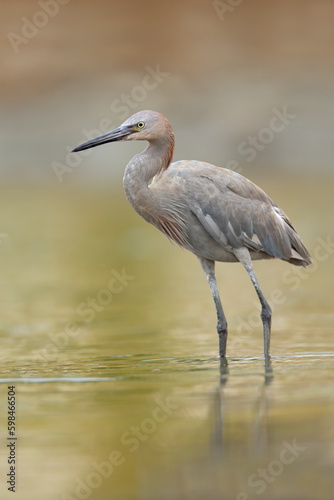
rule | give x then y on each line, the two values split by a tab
70	65
246	85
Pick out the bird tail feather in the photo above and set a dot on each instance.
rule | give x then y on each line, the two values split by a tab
299	253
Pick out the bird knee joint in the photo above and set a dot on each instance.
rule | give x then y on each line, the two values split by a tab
222	327
266	313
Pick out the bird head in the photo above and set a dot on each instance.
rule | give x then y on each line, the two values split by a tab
142	126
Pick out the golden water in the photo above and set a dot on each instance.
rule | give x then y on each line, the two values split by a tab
119	377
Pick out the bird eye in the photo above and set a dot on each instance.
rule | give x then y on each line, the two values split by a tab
140	125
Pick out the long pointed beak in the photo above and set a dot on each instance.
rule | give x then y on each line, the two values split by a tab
118	134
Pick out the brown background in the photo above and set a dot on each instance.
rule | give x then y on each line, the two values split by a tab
226	74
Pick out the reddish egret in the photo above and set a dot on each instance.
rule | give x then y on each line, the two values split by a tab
216	213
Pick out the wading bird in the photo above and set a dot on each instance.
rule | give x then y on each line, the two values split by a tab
216	213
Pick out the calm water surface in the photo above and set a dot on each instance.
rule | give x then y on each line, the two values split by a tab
108	334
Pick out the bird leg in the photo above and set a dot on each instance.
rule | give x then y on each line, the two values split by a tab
208	267
243	256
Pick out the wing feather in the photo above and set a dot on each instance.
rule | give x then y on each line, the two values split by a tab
236	213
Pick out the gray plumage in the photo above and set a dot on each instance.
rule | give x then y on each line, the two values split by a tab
216	213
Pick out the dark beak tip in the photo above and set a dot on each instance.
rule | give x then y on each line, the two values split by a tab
118	134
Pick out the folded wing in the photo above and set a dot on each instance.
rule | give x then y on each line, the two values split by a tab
236	213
